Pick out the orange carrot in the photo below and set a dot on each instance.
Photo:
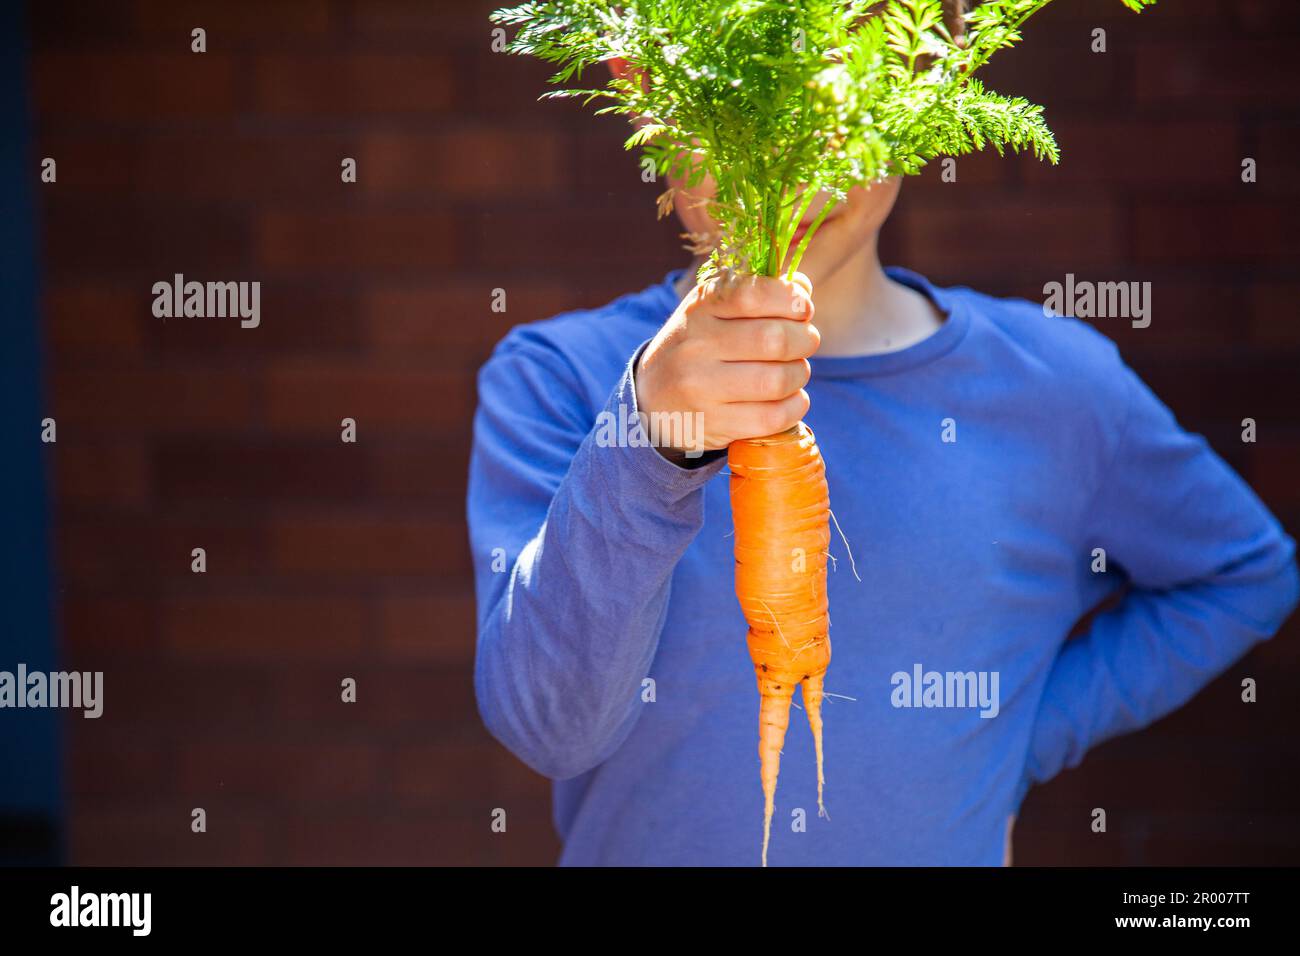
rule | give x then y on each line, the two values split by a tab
781	510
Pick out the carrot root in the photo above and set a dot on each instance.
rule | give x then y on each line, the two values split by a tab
812	701
781	511
773	720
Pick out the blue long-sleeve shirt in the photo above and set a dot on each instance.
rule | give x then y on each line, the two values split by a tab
983	477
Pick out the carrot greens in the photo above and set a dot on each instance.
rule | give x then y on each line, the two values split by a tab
779	99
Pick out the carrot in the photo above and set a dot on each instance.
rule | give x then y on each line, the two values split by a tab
781	510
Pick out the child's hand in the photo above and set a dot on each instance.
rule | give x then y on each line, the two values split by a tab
737	353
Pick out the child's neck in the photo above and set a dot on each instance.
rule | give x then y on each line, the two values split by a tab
860	310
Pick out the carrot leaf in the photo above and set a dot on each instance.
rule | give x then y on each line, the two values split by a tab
778	100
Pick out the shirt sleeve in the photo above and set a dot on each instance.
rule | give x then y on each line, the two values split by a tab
574	538
1210	573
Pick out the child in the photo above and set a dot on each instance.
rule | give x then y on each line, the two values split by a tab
983	461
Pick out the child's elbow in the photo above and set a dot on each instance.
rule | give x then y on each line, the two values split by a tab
549	751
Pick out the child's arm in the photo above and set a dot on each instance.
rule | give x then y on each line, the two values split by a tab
571	605
1211	573
574	541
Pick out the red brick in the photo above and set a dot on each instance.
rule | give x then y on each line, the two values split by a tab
531	842
462	22
468	163
100	627
976	170
219	165
592	292
278	629
87	165
368	84
416	317
1191	781
1273	314
309	698
295	317
319	395
135	87
568	238
602	170
339	544
1153	23
96	320
1062	73
1254	386
159	834
195	164
166	700
107	549
109	474
251	470
150	244
55	24
269	22
1276	472
129	400
1213	233
1268	17
1189	314
401	701
498	85
434	473
424	701
515	784
1236	841
1163	156
443	775
325	241
421	837
1217	722
1050	236
309	774
1278	144
434	629
1273	665
1040	846
1238	75
120	768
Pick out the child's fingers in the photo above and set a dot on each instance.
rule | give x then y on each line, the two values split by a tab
756	381
748	297
758	419
762	340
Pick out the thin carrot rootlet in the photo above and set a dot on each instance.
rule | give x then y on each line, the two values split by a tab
781	508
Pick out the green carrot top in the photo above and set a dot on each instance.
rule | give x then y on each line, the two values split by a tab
777	100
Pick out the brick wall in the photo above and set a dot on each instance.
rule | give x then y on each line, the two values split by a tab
329	560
